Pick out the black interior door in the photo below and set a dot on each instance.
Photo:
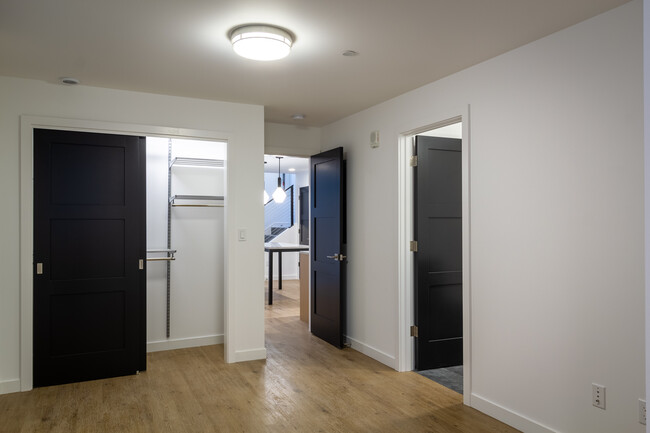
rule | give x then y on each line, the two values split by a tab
303	199
438	231
327	246
89	237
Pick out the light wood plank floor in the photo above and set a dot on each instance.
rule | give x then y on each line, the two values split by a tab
286	302
305	385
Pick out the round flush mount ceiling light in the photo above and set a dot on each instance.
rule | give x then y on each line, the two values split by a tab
261	42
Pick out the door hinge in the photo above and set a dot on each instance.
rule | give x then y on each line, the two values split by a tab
414	331
141	264
413	246
414	161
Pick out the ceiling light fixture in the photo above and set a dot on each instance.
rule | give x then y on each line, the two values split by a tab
261	42
279	195
298	117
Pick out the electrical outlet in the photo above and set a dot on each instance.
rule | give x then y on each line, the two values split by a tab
642	412
598	395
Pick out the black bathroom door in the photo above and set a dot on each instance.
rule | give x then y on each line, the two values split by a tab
89	238
439	256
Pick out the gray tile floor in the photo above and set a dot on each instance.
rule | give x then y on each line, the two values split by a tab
451	377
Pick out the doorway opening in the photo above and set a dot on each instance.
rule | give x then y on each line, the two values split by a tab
28	125
286	237
438	260
104	205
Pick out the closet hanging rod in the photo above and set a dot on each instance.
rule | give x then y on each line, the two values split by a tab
161	259
196	197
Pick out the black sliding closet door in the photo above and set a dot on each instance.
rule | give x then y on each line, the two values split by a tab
89	240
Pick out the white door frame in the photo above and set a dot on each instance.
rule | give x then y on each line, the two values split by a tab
27	125
406	275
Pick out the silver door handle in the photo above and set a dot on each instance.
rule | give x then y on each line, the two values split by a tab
337	257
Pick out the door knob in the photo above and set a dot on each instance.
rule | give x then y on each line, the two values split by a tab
337	257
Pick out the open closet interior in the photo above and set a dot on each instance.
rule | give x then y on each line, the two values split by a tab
185	242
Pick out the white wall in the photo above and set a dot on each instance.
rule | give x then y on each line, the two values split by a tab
243	124
556	245
291	140
197	274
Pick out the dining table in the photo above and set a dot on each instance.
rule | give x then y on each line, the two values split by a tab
279	247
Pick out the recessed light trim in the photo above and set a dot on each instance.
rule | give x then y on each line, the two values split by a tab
261	42
298	117
69	81
350	53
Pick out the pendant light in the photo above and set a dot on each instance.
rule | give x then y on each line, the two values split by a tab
279	195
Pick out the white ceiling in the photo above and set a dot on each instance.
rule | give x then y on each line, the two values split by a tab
298	164
178	47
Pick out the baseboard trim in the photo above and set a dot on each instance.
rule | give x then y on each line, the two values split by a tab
250	355
370	351
9	386
513	419
183	343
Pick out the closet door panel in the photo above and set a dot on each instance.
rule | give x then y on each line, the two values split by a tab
89	237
